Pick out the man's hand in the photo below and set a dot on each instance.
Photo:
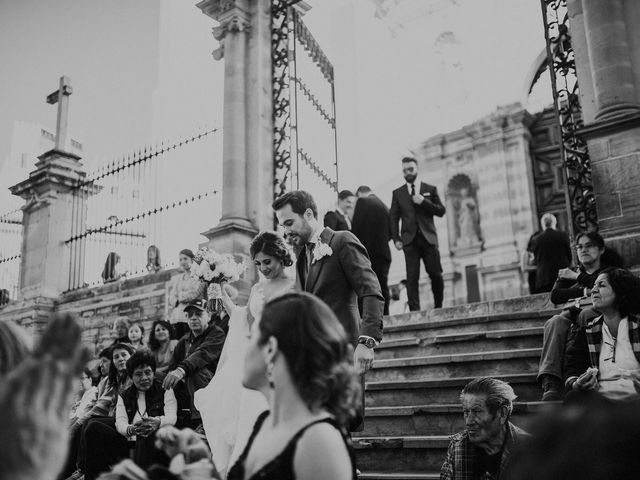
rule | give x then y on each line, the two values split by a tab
417	199
34	404
363	359
172	379
398	244
567	274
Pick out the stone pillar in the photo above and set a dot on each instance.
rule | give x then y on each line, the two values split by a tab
244	32
611	69
47	222
607	50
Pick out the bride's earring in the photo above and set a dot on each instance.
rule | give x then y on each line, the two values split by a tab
270	367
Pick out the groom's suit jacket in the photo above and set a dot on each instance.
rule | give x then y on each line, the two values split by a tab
340	279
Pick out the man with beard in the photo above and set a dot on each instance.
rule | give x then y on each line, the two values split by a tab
416	203
483	449
335	267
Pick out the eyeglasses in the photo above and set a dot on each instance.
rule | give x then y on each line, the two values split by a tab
585	246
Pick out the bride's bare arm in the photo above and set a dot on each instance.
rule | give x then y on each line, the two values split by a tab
227	303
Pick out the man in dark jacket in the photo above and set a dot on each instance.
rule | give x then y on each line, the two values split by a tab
339	219
416	203
195	358
552	251
372	225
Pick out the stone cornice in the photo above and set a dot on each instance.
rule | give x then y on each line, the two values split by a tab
610	125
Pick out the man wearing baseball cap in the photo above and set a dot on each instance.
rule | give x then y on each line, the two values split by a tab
195	358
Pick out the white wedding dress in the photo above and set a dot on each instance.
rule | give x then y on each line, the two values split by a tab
229	411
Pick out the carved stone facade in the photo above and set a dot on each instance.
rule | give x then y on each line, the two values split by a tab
486	173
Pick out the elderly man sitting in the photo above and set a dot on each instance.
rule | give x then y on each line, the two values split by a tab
195	359
483	449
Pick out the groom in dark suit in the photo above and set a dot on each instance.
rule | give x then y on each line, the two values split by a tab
335	267
416	203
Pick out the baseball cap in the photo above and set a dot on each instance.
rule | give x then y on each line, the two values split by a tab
199	304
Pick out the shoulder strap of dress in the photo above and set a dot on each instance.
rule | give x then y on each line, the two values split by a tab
256	429
291	447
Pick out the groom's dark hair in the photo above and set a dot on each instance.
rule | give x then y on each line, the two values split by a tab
299	201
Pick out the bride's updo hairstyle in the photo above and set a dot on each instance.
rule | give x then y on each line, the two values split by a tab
317	352
271	244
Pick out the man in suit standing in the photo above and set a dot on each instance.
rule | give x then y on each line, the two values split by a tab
416	203
335	267
552	251
372	225
339	219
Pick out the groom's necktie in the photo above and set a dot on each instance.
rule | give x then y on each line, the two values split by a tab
413	189
308	251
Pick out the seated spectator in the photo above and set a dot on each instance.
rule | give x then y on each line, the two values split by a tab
141	410
35	397
484	448
104	359
195	359
604	356
162	347
136	336
153	259
121	330
86	396
299	357
4	297
102	411
594	440
15	345
570	285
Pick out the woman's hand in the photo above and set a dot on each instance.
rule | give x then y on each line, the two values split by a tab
587	381
147	426
567	274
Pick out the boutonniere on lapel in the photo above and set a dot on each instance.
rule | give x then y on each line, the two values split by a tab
320	251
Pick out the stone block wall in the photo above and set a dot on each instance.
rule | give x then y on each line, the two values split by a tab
142	300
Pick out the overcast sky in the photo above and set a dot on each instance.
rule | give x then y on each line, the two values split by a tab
142	70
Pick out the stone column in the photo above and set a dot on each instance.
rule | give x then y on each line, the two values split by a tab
606	48
611	69
244	32
48	216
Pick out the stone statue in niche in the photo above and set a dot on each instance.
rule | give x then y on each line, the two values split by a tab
468	220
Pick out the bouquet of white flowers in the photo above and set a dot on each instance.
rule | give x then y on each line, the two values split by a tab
213	268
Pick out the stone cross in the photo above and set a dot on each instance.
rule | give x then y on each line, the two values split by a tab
61	97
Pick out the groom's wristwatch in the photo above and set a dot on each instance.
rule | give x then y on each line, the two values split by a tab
367	342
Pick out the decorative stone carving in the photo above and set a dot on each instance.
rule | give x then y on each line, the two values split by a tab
461	195
233	16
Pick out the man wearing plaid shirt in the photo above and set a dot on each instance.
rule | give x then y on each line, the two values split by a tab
483	449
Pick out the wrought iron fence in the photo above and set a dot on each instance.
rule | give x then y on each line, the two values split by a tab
581	204
10	245
133	215
304	111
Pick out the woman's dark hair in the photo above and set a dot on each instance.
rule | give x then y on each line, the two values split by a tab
155	264
89	374
153	343
317	351
611	258
187	253
299	200
109	271
141	358
595	237
626	286
113	373
271	244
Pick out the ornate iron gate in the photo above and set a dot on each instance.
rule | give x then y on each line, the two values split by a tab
291	40
581	206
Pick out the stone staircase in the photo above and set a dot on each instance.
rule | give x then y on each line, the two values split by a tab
412	392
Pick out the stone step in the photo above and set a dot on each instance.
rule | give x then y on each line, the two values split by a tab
401	453
436	419
442	390
491	363
483	323
399	476
412	346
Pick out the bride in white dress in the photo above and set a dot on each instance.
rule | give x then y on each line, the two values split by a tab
229	410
